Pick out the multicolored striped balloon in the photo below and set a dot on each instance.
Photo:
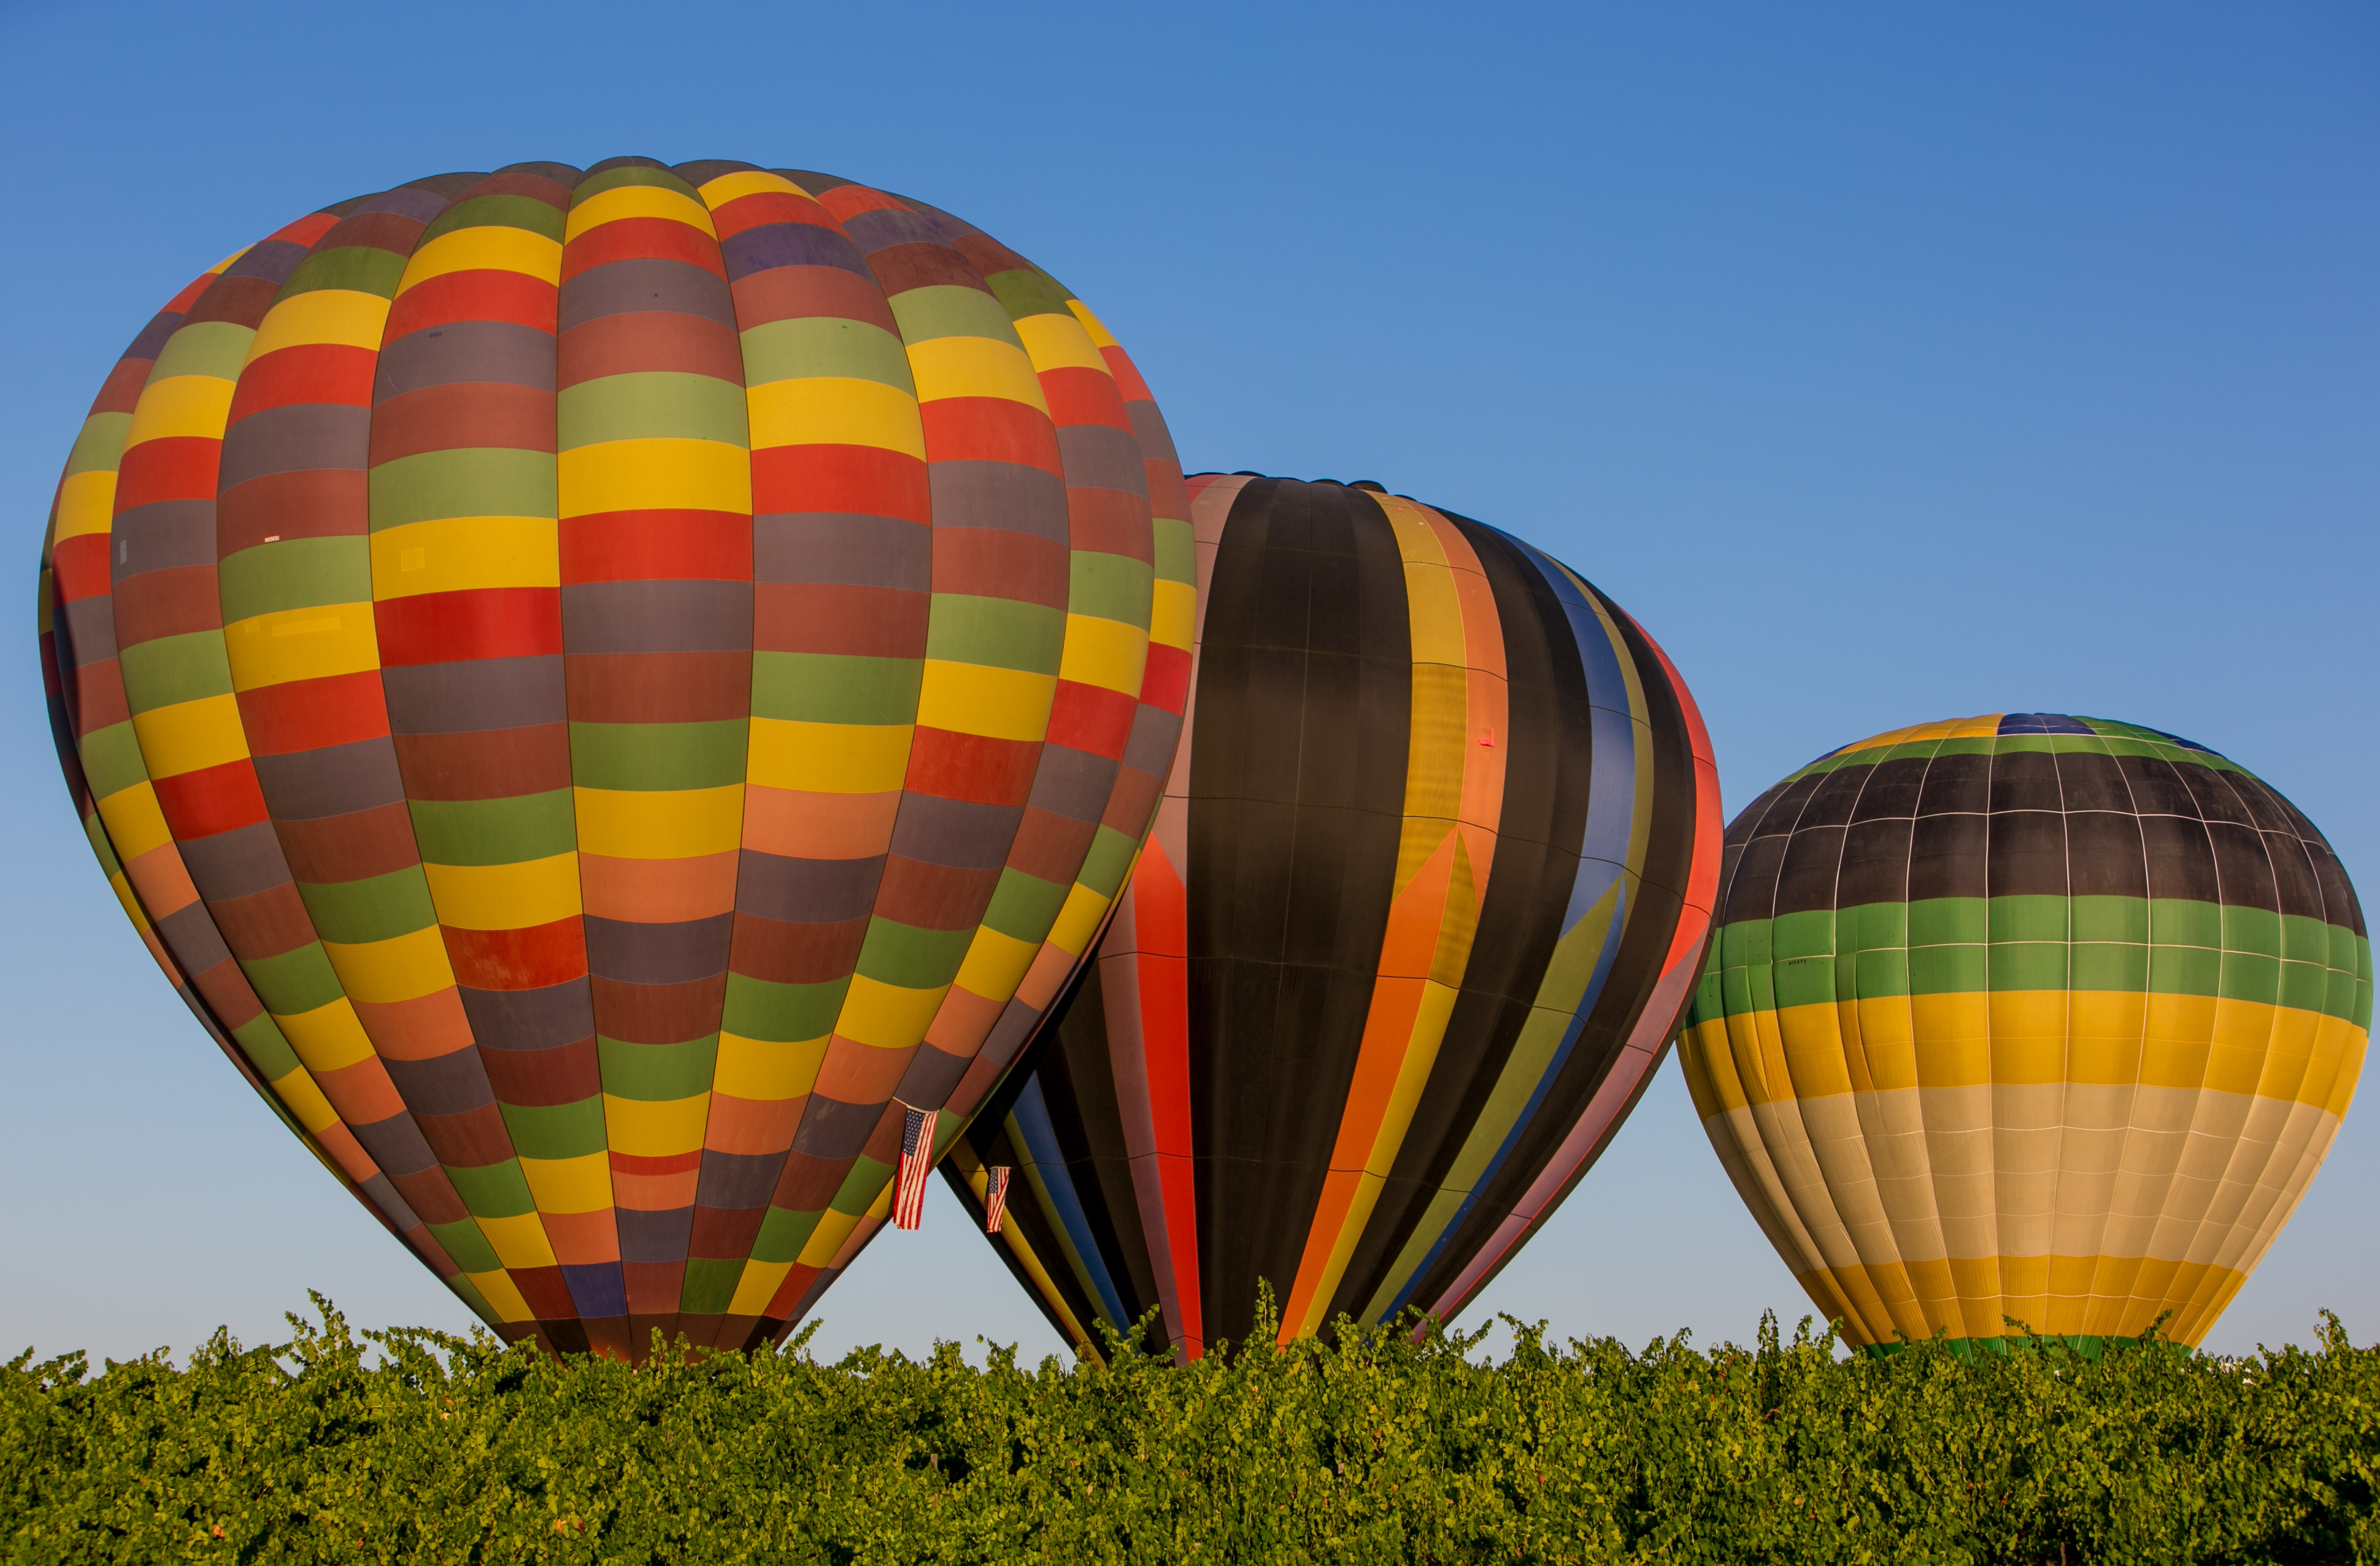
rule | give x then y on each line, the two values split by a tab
1429	885
2026	1017
599	688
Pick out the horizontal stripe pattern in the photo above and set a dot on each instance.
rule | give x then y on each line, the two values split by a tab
601	686
2027	1016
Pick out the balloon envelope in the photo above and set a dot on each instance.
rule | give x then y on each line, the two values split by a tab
1426	893
598	687
2027	1016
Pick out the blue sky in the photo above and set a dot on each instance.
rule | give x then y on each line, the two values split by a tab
1890	363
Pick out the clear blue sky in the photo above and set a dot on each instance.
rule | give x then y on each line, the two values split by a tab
1889	362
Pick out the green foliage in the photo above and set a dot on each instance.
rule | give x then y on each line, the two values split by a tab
417	1446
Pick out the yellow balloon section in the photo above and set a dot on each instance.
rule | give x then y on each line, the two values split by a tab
2026	1022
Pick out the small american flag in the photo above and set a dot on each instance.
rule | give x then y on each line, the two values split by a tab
995	1198
917	1159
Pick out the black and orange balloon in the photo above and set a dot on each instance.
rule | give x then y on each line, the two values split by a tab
1429	885
602	687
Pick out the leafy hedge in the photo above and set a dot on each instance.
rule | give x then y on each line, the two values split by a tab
439	1449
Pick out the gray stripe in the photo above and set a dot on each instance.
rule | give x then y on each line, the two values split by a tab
624	288
1072	783
451	1083
810	892
737	1180
336	779
473	697
232	864
832	1129
299	438
396	1144
843	550
657	616
671	953
163	534
1100	456
654	1236
463	351
1154	733
86	632
930	1076
531	1019
955	833
999	494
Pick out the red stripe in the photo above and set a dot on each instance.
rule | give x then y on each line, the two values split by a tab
79	567
669	1163
512	297
638	546
974	768
315	372
309	714
211	800
1080	395
1127	376
764	207
531	958
866	480
305	231
1091	717
990	430
642	239
172	468
1165	683
458	626
846	201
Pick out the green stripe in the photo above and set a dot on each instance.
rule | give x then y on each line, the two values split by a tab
824	344
350	913
2009	745
1000	633
169	670
99	447
1023	907
1022	293
650	404
950	309
1945	946
294	574
913	958
827	688
462	1241
613	179
497	211
495	831
466	481
298	981
658	756
496	1190
1114	586
111	756
366	269
556	1131
204	347
782	1013
657	1073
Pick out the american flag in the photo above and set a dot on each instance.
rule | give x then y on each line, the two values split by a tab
995	1198
917	1159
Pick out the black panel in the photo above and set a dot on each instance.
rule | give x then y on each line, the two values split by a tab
1946	857
2027	854
2093	782
1954	783
1876	863
2025	779
2104	855
2182	862
2240	862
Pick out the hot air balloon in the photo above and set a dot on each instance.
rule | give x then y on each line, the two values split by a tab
2026	1017
605	689
1428	886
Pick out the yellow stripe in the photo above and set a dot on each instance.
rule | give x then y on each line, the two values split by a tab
1100	335
579	1184
301	644
636	200
648	1130
655	474
1059	342
888	1017
2010	1039
335	317
326	1038
503	1296
190	736
519	1241
976	698
181	405
974	366
760	1281
995	964
87	504
515	896
834	410
1078	920
134	822
1985	726
727	187
460	553
829	758
1172	615
765	1071
673	824
303	1099
832	1229
1106	653
403	967
490	247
